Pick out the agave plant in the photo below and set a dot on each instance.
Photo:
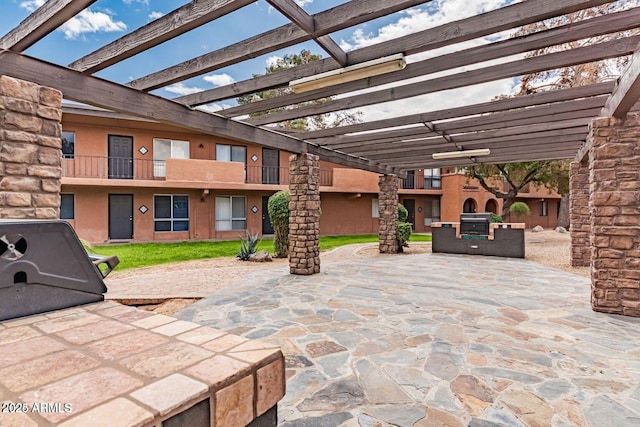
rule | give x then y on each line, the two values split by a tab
248	245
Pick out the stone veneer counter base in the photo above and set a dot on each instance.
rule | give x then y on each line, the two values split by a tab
106	364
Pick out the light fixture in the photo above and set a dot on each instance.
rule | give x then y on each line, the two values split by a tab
462	153
362	70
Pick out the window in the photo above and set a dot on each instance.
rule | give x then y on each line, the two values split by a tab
171	213
164	149
231	213
544	208
432	178
231	153
375	209
68	144
431	211
67	206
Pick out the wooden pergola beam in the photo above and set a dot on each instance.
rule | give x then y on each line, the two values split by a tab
340	17
302	19
91	90
581	55
454	32
542	98
41	22
575	31
171	25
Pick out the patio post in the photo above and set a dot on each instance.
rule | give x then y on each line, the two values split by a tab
30	150
615	221
304	214
580	218
388	212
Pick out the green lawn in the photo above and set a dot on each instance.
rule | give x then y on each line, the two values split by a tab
146	254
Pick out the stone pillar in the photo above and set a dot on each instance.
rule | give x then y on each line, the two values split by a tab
615	215
304	214
388	212
30	150
579	215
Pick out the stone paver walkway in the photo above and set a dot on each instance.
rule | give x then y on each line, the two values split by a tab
434	340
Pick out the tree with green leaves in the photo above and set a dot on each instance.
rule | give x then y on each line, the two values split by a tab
553	174
320	121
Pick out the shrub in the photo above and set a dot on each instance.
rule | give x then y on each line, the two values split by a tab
495	217
248	246
519	209
278	209
403	234
403	213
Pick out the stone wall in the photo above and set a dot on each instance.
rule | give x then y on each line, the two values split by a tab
304	214
615	215
580	219
388	211
30	150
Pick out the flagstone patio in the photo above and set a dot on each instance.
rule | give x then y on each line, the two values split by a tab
433	340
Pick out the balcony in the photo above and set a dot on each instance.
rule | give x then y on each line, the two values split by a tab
111	168
182	170
411	182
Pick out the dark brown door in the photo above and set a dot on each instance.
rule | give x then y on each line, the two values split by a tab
410	204
267	228
120	216
120	157
270	166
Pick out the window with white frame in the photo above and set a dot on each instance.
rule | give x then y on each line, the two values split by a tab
67	206
432	178
171	212
431	211
544	208
164	149
375	208
231	153
231	213
68	144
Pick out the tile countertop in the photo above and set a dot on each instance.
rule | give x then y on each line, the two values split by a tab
106	364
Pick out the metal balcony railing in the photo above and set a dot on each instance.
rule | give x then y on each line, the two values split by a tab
112	168
280	175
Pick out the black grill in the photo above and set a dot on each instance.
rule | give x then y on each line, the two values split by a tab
475	223
44	267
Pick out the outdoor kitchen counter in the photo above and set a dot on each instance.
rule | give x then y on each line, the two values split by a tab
106	364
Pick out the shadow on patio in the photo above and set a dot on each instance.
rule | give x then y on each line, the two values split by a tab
433	340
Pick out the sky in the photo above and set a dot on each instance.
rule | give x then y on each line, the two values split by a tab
107	20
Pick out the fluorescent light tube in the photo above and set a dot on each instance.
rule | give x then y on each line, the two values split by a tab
459	154
351	73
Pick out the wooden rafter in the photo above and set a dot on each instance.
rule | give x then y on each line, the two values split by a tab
343	16
432	38
535	64
91	90
590	28
302	19
181	20
41	22
542	98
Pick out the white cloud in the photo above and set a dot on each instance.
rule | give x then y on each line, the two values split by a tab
155	15
136	1
415	20
219	79
303	3
273	60
213	107
88	21
182	89
32	5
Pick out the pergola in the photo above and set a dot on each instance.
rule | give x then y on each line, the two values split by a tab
539	126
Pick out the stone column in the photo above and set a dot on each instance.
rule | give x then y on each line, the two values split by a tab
388	212
615	215
304	214
579	215
30	150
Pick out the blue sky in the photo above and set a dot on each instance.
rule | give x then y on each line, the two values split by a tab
107	20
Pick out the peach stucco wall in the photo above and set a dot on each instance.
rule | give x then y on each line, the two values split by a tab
205	171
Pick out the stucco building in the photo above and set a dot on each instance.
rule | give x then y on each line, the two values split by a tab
130	179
